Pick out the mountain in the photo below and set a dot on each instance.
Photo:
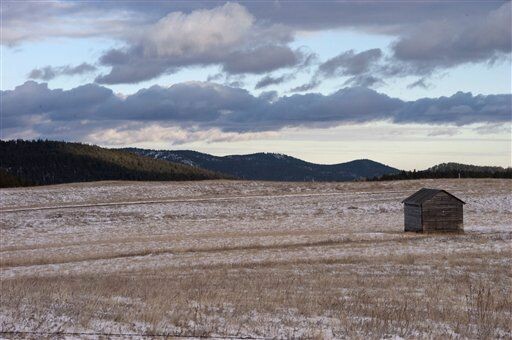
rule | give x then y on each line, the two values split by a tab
49	162
451	170
272	166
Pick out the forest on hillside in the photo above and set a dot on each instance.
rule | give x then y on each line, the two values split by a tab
43	162
450	170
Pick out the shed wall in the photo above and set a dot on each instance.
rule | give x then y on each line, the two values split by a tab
412	218
442	213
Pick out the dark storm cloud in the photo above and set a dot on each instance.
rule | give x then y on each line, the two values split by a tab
49	72
202	105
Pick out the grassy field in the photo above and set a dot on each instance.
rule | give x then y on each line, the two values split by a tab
252	259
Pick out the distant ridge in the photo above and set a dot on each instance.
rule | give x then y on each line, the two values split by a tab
26	163
271	166
451	170
443	167
48	162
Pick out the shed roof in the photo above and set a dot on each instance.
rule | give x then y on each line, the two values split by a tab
425	194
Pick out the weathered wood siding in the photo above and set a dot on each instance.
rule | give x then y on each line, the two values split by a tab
442	213
412	217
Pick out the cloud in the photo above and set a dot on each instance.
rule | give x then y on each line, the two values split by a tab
93	110
460	109
432	44
350	63
363	69
231	80
307	86
133	71
253	37
384	17
215	77
261	59
443	132
227	36
421	83
45	73
436	44
425	48
179	34
49	72
132	134
495	128
25	21
269	80
364	81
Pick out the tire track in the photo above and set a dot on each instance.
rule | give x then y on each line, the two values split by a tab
176	251
184	200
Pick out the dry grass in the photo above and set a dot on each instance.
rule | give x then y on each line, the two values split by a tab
275	299
264	275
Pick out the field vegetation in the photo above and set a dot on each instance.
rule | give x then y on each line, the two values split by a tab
252	259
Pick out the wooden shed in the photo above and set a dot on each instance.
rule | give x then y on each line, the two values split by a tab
433	210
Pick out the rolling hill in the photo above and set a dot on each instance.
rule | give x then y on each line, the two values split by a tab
49	162
272	166
459	167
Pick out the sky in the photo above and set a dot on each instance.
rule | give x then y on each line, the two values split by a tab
407	83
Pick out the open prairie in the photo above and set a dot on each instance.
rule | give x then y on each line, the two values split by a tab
252	259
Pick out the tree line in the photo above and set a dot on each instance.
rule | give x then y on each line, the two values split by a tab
424	174
40	162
